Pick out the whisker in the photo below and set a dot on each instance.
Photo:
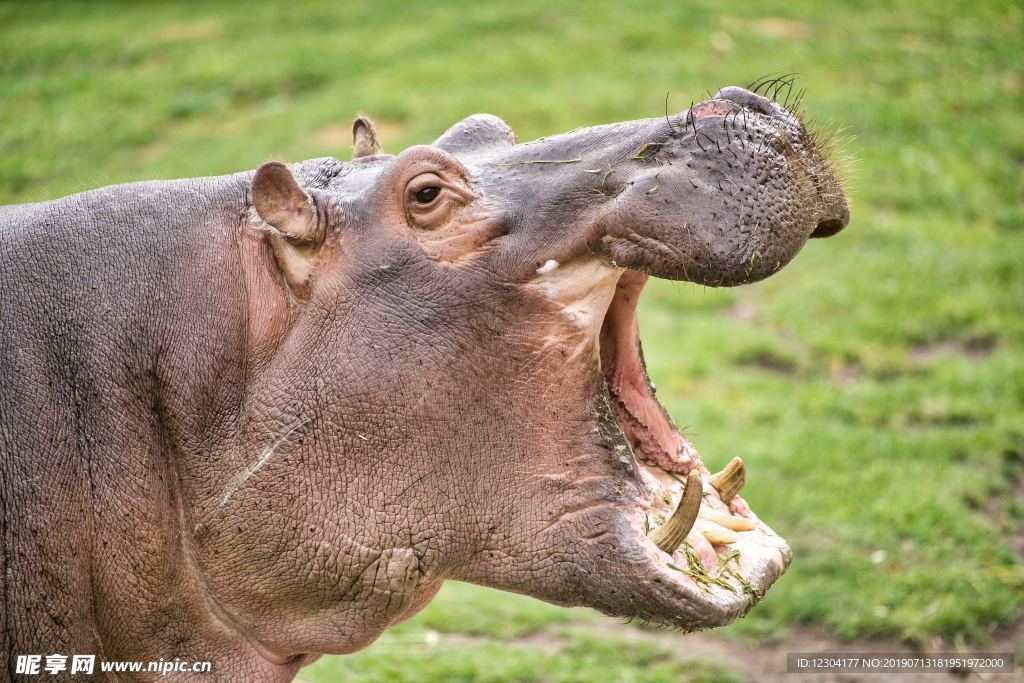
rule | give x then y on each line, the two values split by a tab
667	119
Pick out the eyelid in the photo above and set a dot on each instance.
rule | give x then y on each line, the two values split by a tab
423	181
430	179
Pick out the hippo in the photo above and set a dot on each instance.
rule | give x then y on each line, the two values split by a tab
253	419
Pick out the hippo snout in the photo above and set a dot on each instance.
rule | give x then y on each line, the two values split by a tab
835	213
734	190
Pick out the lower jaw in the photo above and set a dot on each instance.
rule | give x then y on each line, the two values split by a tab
728	550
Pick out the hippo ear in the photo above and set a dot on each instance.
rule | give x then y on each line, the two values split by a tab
476	132
298	221
364	137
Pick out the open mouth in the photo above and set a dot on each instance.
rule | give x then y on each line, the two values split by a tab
735	202
699	540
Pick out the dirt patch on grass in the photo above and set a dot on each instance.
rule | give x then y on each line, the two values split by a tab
1016	538
779	27
976	348
845	373
1007	509
767	27
769	361
149	153
980	347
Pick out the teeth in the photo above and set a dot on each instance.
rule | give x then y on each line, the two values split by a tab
670	535
728	521
716	533
730	480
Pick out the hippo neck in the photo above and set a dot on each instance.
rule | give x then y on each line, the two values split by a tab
127	374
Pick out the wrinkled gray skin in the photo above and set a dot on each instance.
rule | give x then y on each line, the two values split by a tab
251	423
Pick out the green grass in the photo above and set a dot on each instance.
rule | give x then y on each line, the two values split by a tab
473	635
875	387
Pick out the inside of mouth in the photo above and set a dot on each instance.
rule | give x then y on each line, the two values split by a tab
728	546
655	439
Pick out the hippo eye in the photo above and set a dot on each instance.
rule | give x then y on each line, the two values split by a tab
427	195
431	199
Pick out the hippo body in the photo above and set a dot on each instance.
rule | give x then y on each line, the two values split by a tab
257	418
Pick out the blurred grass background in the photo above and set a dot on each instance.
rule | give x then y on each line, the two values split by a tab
875	387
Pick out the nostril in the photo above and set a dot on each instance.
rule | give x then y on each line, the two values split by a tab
748	99
829	226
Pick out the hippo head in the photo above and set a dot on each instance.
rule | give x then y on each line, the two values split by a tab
458	390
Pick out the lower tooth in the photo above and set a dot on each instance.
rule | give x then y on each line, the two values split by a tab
728	521
730	480
716	534
670	535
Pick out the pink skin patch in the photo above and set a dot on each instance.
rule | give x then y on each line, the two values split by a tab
712	108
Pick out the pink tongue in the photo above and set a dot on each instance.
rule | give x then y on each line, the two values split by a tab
740	507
